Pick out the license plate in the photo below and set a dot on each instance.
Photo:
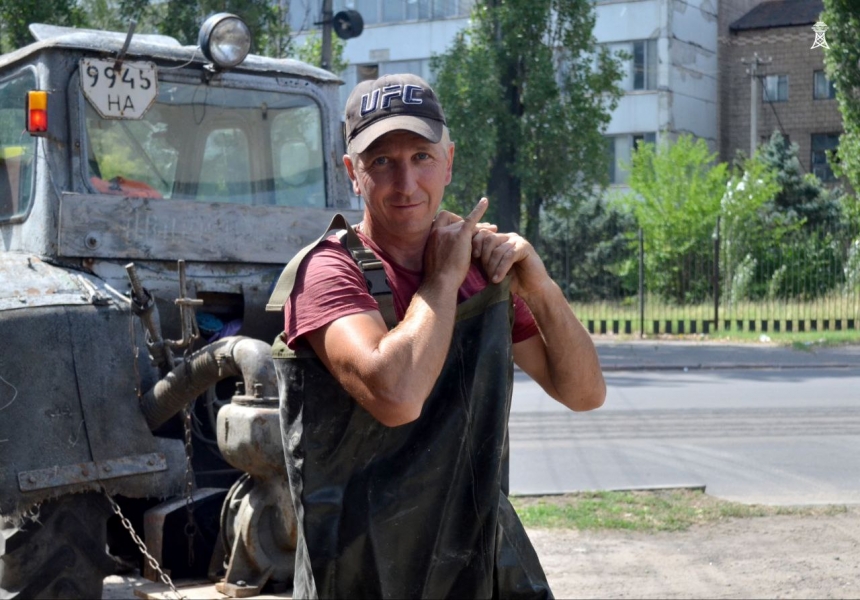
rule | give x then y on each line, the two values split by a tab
124	93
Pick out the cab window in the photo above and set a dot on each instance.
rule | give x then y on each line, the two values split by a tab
17	148
298	157
226	172
205	143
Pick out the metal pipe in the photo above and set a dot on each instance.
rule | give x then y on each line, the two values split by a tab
229	357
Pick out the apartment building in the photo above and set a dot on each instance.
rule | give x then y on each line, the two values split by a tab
671	86
684	74
775	43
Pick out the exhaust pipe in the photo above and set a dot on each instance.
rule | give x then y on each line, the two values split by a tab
229	357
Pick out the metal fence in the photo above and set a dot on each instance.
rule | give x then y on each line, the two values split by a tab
808	281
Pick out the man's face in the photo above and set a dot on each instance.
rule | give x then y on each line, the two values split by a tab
402	177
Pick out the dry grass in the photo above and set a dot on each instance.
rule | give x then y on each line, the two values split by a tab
663	510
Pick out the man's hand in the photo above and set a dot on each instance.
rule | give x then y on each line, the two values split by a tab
503	253
562	359
447	255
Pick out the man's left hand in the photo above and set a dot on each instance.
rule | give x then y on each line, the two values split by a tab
503	253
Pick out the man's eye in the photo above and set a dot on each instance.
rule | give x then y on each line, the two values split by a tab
380	160
422	156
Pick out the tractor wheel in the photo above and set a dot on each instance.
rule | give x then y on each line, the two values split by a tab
59	553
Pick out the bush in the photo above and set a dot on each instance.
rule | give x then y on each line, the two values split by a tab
587	250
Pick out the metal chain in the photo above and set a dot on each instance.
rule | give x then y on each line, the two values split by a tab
142	546
190	525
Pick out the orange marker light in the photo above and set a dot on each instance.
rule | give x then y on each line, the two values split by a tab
37	112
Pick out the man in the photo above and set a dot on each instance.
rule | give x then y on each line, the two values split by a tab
396	438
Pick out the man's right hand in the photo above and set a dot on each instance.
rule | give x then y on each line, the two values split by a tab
448	253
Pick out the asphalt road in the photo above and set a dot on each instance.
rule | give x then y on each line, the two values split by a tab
756	436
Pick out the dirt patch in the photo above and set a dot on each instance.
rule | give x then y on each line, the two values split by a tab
786	556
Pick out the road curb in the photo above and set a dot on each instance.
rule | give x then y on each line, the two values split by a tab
693	487
727	367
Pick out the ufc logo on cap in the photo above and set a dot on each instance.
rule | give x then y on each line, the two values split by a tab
408	94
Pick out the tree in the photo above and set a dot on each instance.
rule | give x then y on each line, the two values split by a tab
266	20
16	16
677	191
842	61
527	93
800	197
586	249
311	52
782	229
182	19
805	231
103	15
750	226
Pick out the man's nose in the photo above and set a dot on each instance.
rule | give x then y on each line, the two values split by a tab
405	178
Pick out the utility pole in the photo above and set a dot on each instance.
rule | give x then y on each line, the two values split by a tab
326	34
752	71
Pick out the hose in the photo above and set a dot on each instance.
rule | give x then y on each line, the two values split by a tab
228	357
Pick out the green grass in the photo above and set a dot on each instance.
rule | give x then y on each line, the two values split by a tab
806	341
663	510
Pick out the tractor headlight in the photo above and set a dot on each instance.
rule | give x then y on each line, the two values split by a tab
225	40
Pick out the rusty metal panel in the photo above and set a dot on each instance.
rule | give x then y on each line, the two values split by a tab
103	345
27	281
40	479
146	229
41	419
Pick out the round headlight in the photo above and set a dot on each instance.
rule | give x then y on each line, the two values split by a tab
225	40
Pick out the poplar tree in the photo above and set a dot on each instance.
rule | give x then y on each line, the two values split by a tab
527	93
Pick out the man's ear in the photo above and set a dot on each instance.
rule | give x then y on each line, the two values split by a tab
450	171
350	170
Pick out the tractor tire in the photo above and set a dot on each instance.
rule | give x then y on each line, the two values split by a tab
61	553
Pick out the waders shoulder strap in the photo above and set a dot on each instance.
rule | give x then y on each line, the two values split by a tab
371	267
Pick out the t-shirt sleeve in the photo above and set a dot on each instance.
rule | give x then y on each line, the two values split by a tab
329	285
524	322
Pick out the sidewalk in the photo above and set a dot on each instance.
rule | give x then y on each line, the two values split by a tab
651	355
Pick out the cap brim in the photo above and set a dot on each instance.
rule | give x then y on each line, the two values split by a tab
430	129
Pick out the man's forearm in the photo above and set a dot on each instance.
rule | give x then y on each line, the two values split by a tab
410	357
572	373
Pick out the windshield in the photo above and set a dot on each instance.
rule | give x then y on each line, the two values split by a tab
212	144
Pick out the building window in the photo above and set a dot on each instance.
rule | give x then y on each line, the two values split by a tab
775	88
645	65
365	72
610	158
644	138
822	87
619	150
821	144
304	14
642	71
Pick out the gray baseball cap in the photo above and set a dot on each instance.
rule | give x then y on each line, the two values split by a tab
392	103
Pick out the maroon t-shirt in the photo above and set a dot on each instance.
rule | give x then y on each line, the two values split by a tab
329	285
